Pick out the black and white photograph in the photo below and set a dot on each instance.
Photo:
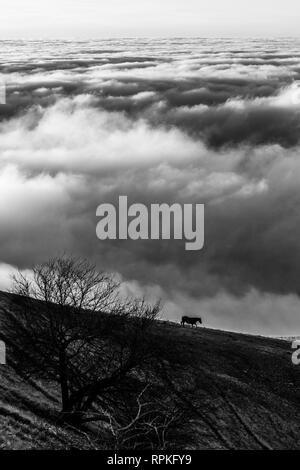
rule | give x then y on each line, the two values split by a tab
149	228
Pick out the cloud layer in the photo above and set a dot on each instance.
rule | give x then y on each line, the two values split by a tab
203	121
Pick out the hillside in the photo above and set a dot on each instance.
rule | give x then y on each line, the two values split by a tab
247	395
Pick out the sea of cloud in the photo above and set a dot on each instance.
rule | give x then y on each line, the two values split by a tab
193	120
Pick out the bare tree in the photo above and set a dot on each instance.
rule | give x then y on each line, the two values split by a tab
71	327
150	422
151	426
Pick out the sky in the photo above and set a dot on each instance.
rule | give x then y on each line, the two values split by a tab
154	18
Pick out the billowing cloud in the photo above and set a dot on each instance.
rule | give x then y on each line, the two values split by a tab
182	121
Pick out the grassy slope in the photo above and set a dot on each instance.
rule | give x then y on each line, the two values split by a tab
248	395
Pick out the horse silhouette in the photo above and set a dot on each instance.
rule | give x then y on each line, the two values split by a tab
191	320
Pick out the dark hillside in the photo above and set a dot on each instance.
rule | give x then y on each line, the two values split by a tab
242	392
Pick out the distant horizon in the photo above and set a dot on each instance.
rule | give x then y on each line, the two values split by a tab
100	38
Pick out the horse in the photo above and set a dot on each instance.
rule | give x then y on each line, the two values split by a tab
191	320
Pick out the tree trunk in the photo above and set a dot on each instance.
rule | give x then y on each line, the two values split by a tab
63	378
